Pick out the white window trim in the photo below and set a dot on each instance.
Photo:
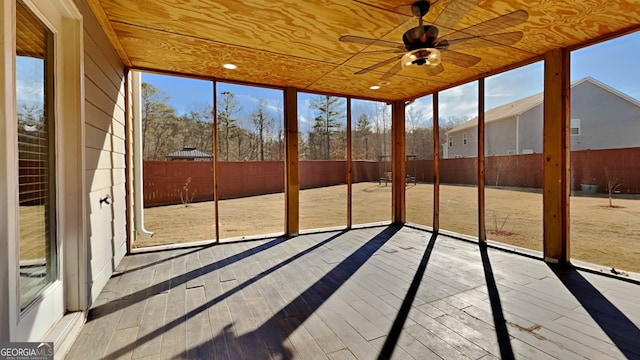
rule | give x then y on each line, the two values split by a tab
465	139
572	126
70	291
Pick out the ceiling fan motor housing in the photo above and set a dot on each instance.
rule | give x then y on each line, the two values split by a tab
420	37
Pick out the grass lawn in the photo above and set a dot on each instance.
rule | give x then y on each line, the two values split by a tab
599	234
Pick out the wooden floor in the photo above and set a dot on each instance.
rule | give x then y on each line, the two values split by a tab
375	293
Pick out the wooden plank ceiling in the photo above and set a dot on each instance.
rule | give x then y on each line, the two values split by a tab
294	43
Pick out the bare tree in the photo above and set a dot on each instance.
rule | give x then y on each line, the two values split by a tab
228	107
613	183
263	123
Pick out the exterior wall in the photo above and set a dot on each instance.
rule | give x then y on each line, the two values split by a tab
499	137
105	153
458	148
606	120
530	130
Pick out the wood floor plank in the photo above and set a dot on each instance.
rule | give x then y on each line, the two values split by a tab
355	295
174	337
153	319
121	344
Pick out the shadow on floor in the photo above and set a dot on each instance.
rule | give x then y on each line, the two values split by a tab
130	299
499	322
618	327
268	340
396	329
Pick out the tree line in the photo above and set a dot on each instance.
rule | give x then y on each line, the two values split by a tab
259	136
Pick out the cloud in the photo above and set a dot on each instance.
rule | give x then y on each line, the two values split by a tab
29	81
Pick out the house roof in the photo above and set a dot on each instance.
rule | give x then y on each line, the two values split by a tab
295	43
189	152
518	107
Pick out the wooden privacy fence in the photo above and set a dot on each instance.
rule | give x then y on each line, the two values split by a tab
165	181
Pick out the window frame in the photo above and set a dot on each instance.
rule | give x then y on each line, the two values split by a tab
578	127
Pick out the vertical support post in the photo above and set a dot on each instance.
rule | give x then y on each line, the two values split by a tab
349	167
215	162
292	182
556	157
436	165
482	234
398	162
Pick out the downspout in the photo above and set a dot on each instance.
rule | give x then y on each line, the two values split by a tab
137	155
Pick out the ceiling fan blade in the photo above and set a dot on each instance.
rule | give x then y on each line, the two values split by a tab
432	71
453	12
380	64
471	42
458	58
491	26
378	52
369	41
394	70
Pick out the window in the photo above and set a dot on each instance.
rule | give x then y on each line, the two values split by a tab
450	141
36	157
575	126
464	139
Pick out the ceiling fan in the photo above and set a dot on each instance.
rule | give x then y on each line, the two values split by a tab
422	45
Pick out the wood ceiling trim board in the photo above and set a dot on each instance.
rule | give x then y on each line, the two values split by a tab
208	78
103	20
627	31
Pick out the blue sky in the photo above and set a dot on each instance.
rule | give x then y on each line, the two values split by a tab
612	62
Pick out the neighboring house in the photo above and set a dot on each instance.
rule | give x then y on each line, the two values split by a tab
601	118
189	153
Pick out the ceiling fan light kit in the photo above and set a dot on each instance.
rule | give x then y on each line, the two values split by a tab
429	57
422	45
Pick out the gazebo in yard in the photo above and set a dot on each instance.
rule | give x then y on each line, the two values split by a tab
189	153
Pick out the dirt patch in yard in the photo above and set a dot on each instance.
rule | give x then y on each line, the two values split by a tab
599	234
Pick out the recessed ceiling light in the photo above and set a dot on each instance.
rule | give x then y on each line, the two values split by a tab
384	83
374	87
230	66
